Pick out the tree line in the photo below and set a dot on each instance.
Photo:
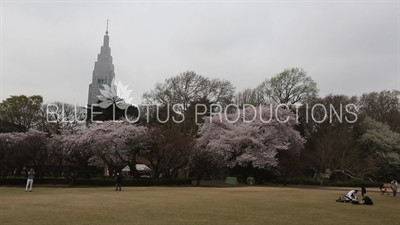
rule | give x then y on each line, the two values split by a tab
335	137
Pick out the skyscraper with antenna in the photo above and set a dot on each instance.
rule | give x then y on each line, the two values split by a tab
103	72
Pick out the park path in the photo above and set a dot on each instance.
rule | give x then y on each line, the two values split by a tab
222	184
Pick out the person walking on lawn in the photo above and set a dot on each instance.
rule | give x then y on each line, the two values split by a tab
118	183
393	186
29	181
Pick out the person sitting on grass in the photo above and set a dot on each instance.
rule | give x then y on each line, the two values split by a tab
367	201
352	196
383	189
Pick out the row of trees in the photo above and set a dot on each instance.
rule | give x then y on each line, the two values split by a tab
83	151
78	151
347	136
335	136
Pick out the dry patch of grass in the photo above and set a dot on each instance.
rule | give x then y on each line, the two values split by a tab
191	205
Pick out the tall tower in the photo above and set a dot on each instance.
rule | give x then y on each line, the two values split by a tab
103	72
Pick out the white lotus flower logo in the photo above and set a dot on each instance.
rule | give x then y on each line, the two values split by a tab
117	94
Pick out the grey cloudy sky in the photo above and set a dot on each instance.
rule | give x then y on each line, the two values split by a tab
49	48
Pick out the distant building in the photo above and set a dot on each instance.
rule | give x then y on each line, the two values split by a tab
103	72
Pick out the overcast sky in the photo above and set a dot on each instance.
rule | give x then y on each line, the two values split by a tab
49	48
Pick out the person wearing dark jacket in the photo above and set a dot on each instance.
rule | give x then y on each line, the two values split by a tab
367	201
118	183
363	191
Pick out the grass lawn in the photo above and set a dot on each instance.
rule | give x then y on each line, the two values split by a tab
192	205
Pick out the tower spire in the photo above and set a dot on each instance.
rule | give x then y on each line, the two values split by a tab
103	72
107	27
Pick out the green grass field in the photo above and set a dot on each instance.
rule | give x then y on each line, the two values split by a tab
192	205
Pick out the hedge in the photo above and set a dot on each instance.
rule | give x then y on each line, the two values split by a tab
310	181
95	182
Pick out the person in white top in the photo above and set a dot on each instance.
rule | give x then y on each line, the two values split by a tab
393	186
29	181
352	195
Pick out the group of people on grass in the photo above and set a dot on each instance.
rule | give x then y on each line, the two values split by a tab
31	175
393	186
351	196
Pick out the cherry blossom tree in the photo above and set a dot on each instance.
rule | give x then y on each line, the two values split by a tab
74	151
116	143
132	141
19	150
104	138
10	154
167	150
202	163
251	136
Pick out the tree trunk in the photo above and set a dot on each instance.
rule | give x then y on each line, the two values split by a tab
284	180
110	167
134	172
198	180
71	179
